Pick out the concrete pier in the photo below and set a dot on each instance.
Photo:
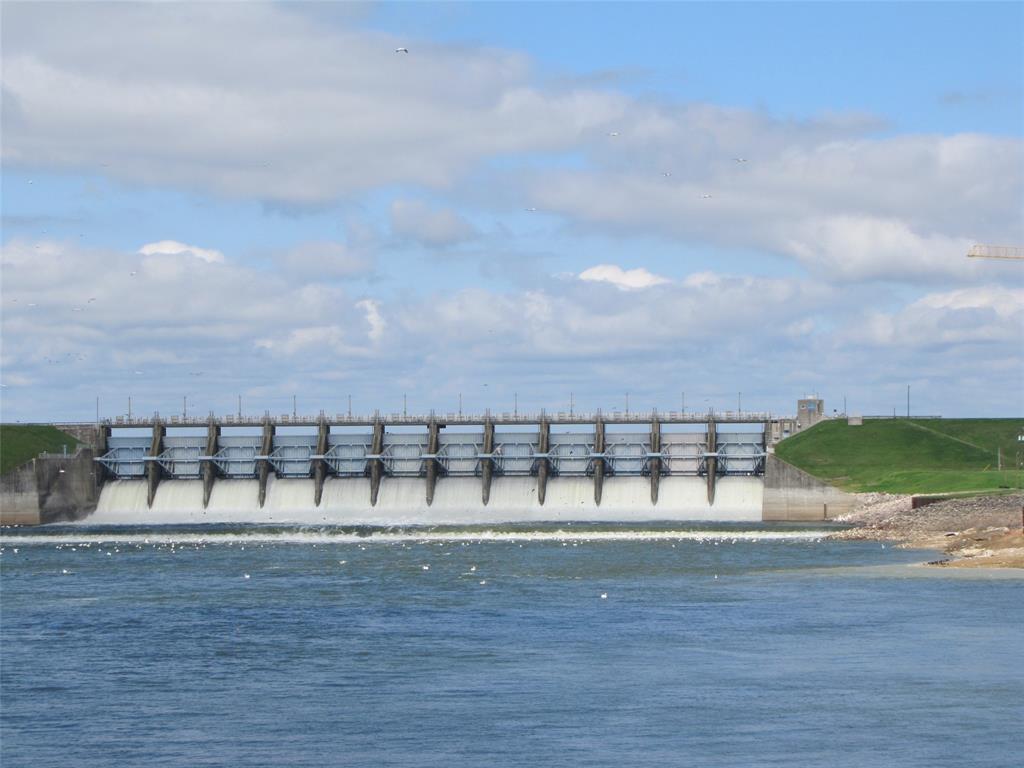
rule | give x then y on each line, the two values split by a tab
209	468
153	469
711	458
654	458
599	461
263	460
319	462
430	457
543	463
375	461
487	461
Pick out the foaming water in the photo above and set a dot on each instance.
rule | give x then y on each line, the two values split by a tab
457	500
158	535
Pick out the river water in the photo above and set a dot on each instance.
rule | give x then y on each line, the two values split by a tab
728	645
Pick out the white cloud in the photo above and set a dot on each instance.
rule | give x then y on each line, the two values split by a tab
623	279
173	247
977	316
431	226
301	112
378	325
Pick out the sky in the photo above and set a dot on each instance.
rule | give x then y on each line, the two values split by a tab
676	204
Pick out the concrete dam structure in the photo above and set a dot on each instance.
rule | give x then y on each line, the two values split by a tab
433	469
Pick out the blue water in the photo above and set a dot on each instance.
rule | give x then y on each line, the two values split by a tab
149	646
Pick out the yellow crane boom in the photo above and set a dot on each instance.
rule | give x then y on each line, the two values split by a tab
995	252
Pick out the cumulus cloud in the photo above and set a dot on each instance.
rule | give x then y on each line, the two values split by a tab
623	279
173	247
431	226
979	315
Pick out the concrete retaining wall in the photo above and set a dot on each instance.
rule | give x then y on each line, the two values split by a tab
39	492
792	494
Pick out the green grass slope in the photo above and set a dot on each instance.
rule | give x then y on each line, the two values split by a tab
22	442
910	456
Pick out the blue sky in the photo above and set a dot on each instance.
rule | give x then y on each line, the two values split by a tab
538	199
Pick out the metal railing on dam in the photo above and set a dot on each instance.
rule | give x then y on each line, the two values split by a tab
495	445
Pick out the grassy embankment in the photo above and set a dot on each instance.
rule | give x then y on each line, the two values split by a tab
910	456
22	442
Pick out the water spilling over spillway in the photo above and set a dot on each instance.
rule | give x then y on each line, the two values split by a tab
402	501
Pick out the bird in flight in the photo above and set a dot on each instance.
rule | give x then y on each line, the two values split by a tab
705	196
740	159
613	134
532	210
401	50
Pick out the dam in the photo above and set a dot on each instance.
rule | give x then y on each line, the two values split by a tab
434	469
447	468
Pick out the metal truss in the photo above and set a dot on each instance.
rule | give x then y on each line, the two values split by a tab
237	461
348	459
123	461
181	461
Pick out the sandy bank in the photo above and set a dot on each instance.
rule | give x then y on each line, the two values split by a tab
977	532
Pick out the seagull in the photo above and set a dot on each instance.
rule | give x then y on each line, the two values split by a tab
705	197
666	174
740	159
613	134
91	300
401	50
532	210
604	595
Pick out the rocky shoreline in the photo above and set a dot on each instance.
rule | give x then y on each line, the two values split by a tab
975	532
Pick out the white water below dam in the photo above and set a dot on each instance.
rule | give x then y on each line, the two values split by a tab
457	501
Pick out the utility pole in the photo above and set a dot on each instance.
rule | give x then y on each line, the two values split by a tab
460	405
572	404
295	407
239	407
129	407
682	401
627	405
515	406
184	407
97	409
405	405
844	406
350	406
739	403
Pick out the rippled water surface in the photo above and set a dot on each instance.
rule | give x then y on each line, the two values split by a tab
567	645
